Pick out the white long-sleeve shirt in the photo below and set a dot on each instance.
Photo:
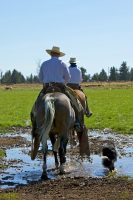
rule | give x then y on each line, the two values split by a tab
54	70
76	75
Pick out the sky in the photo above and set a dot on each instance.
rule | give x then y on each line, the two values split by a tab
99	33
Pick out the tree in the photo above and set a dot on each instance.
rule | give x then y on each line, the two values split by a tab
95	77
36	79
123	72
32	79
17	77
131	75
6	78
0	75
84	76
89	77
29	79
103	76
113	74
12	77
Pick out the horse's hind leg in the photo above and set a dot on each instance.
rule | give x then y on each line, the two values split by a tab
62	154
44	173
53	139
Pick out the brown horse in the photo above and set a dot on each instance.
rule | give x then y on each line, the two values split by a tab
82	138
55	118
82	98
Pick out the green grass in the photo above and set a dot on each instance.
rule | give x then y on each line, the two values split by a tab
2	153
112	108
9	196
15	107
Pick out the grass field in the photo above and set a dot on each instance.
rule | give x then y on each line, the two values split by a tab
15	106
111	104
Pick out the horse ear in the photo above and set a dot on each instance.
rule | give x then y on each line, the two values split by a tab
84	143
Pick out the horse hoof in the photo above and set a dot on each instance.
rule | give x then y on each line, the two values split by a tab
44	177
61	172
56	165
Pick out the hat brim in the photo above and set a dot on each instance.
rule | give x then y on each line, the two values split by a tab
73	62
50	51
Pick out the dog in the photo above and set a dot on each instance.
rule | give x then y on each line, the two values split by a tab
109	155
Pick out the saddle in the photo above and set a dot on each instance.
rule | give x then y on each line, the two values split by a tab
53	87
69	92
74	86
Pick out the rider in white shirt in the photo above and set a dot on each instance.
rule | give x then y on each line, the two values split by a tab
54	72
75	81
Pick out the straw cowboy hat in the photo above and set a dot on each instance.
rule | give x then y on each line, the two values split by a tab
55	50
73	60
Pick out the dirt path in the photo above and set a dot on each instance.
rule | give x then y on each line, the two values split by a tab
76	187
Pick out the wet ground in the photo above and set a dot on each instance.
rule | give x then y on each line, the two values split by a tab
20	170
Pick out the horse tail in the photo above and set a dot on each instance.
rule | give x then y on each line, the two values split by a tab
48	120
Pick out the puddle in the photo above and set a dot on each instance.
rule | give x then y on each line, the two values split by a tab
22	170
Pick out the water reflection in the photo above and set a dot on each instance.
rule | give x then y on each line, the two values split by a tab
23	170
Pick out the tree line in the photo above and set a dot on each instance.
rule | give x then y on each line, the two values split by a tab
123	73
13	77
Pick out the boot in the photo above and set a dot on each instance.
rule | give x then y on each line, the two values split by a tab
88	113
78	125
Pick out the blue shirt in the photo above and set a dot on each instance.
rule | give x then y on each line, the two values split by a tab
54	70
76	75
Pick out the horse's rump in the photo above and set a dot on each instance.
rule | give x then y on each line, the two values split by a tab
54	113
81	98
55	119
64	112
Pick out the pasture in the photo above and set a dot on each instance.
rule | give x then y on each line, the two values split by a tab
111	104
112	107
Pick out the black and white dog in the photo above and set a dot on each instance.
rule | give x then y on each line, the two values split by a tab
109	156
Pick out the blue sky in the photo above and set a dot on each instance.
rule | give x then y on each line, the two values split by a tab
99	33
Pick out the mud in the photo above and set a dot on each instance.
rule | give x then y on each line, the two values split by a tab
84	179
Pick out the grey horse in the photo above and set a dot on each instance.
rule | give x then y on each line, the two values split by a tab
55	118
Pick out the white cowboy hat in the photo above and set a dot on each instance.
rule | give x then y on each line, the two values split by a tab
73	60
55	50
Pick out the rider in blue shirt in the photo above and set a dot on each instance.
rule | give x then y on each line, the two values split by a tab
75	81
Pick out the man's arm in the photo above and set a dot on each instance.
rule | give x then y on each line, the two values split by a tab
67	75
41	74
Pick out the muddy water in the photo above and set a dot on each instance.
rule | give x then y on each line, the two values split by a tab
22	170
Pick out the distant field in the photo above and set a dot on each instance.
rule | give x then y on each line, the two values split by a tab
111	104
112	108
15	105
